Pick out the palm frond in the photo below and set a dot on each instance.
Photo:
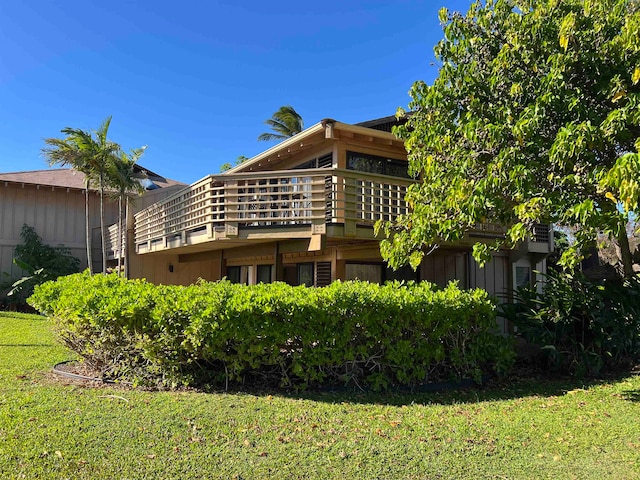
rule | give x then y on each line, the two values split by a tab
267	137
285	122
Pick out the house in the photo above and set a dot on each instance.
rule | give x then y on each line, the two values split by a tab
303	212
53	202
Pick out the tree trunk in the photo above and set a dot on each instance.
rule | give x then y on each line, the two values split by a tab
119	234
626	256
103	236
126	238
88	228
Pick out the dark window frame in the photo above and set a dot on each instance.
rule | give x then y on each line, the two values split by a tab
385	164
234	273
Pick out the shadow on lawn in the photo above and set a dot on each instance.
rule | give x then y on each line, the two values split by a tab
632	395
541	386
522	383
493	390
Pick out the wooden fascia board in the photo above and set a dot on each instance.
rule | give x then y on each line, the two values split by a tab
302	140
289	143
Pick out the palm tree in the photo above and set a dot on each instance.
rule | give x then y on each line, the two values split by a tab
90	153
105	152
286	122
67	152
124	179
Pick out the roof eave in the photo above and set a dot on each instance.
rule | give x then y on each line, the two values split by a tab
314	129
328	125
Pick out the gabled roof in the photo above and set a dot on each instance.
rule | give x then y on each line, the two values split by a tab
63	177
68	178
325	129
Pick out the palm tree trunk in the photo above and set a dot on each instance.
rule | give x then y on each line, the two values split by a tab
126	238
88	228
119	234
103	236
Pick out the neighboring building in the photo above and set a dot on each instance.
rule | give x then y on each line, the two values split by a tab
303	212
53	202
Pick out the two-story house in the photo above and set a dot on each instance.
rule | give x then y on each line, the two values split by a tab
303	212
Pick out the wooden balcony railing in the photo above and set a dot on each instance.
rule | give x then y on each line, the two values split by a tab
224	204
314	197
193	207
112	241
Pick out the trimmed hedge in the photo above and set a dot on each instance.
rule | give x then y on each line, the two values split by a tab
351	333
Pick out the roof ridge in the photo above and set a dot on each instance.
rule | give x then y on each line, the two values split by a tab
41	170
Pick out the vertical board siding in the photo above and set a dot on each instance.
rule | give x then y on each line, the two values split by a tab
443	267
57	214
494	277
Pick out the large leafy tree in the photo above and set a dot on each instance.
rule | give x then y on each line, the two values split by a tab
285	123
123	180
90	153
534	117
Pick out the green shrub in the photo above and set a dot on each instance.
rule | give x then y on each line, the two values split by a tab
348	333
582	325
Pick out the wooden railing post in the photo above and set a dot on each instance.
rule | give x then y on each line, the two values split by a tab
350	197
318	203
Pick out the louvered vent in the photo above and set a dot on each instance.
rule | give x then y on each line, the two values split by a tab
326	161
323	274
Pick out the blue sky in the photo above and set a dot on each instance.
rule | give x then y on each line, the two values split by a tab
195	80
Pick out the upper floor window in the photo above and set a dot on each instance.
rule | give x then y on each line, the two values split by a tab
325	161
363	162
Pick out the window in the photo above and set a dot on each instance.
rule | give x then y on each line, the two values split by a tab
233	274
240	274
326	161
522	277
367	272
405	274
378	273
264	273
363	162
305	274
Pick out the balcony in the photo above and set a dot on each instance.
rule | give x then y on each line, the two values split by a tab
222	211
112	241
275	204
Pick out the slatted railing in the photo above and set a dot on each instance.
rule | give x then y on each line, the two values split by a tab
367	198
314	197
112	241
188	209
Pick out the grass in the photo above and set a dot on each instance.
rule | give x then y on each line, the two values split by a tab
527	429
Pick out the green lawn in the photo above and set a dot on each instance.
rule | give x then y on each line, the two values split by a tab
530	429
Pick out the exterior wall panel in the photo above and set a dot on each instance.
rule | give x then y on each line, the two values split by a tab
442	267
57	214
